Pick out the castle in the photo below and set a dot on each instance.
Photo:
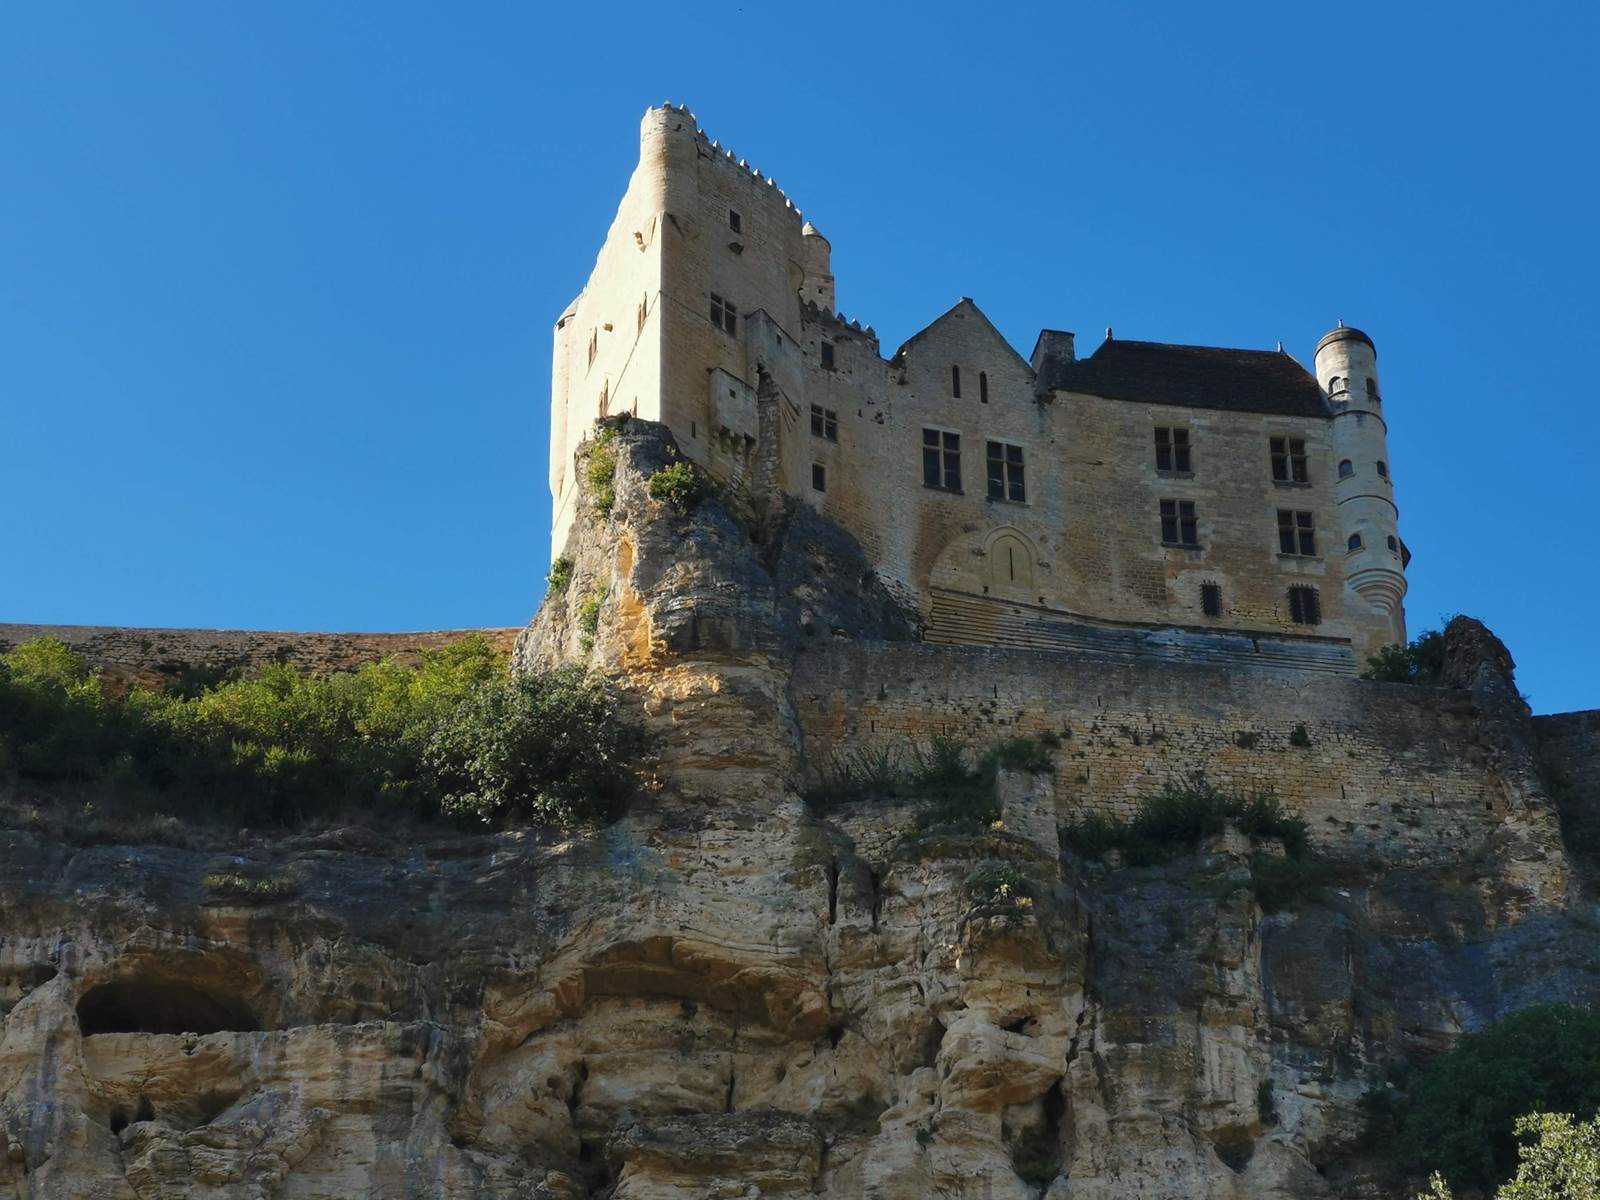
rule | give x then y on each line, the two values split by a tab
1148	493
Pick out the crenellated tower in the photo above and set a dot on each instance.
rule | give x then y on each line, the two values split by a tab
1368	519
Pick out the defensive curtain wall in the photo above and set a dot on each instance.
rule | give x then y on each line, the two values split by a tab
1415	775
150	656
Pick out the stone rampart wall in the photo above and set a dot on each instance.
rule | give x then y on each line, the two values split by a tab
1386	769
149	656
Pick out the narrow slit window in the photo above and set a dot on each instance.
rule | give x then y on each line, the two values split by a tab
827	356
1179	525
941	460
1211	599
1383	469
1289	460
735	221
1305	608
1297	533
983	387
1372	390
955	382
594	345
1005	472
819	477
824	423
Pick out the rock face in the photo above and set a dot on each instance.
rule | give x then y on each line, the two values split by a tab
728	993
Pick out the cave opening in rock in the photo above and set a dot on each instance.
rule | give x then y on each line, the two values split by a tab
146	1005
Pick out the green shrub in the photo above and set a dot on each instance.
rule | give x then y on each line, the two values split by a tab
1281	881
1459	1115
680	485
876	772
958	796
560	575
1002	885
1178	818
553	747
1027	754
282	747
589	615
1421	660
1299	735
243	887
602	471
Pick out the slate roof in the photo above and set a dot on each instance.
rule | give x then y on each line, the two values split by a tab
1259	381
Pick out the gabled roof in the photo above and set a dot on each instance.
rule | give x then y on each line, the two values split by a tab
1260	381
963	306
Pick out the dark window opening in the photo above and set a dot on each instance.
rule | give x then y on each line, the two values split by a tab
1172	449
1383	469
1005	472
983	387
955	382
1179	526
594	345
1372	389
824	423
1394	544
735	221
1211	599
723	314
827	356
941	460
1289	460
1297	533
1335	385
1304	606
1354	543
819	477
1346	469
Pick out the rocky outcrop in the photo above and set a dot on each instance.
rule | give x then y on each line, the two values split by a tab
728	993
711	1000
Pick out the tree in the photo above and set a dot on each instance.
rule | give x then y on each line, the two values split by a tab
1562	1162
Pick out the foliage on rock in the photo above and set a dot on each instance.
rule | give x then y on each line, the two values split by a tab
1176	819
457	734
601	472
1421	660
680	485
1459	1117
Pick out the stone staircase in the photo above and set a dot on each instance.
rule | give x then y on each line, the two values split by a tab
963	620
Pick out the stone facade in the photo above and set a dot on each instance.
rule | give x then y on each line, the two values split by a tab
150	657
711	309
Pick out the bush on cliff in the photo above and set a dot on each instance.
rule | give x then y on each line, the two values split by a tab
1421	660
1459	1117
1178	817
456	735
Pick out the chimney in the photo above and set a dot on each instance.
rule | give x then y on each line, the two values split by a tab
1054	347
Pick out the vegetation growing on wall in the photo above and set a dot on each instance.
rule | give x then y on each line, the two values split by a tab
458	736
955	787
560	574
1178	817
1421	660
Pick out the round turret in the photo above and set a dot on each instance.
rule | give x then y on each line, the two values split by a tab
817	261
1368	520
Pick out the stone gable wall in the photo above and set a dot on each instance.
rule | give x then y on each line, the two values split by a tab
1402	772
136	656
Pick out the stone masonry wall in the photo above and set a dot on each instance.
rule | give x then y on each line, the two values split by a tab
1381	769
136	656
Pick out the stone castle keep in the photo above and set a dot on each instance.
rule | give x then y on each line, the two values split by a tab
1221	504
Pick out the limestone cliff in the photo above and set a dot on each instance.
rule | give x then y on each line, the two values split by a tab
728	993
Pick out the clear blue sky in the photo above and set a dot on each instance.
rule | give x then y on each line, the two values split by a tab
277	280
